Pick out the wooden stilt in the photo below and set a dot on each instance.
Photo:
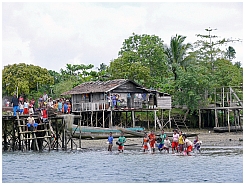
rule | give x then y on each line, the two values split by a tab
148	121
80	131
57	135
200	119
126	123
228	113
133	121
216	117
155	119
111	119
91	119
169	118
103	115
96	119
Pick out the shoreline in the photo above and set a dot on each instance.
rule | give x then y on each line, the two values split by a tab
225	139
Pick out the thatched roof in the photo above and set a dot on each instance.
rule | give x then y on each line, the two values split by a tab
99	86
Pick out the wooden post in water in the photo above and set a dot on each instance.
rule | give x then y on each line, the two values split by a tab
80	131
5	148
13	143
57	134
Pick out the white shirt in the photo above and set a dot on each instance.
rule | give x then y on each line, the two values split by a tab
176	137
167	143
188	142
26	104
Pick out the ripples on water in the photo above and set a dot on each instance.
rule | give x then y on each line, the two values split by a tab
132	166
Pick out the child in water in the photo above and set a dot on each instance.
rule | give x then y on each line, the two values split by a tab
120	142
181	142
146	143
152	139
188	144
162	138
110	141
197	144
167	144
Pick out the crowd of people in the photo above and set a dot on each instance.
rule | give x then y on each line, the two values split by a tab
27	106
24	106
179	143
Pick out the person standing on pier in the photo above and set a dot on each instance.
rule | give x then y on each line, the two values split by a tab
121	141
110	140
15	104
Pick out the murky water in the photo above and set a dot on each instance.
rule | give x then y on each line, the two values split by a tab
132	166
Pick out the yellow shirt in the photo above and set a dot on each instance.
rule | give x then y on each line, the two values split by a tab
181	141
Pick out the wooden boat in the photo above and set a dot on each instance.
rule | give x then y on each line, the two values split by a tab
226	129
102	133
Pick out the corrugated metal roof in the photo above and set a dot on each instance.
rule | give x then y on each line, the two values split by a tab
98	86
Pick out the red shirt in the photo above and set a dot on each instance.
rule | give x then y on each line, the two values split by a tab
45	114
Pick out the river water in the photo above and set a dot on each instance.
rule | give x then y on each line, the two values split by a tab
212	165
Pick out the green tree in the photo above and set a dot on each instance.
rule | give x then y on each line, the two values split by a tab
24	76
120	68
146	51
177	54
230	53
227	74
191	86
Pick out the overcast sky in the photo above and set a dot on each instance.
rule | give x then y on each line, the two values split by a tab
52	35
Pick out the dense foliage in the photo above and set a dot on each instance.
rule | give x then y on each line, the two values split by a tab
181	69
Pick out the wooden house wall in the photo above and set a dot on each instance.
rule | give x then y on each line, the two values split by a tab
164	102
128	88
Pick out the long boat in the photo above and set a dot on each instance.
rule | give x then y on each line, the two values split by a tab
102	133
226	129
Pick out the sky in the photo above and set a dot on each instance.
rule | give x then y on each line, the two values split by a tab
53	34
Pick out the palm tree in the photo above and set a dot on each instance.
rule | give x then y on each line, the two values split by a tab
230	53
177	53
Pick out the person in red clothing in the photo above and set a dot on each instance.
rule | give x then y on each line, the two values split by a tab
146	143
44	114
152	139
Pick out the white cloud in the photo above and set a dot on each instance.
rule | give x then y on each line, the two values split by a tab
53	34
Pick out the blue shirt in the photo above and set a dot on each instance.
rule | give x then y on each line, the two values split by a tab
110	139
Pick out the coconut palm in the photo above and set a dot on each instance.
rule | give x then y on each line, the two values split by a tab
176	53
